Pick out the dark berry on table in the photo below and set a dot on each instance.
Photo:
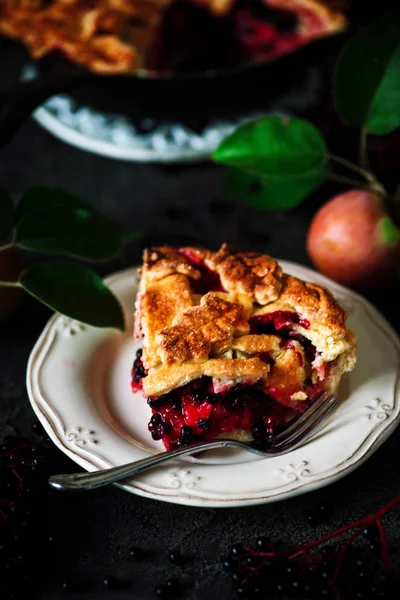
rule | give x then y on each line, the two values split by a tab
67	586
139	353
327	551
173	585
237	549
229	565
374	546
318	515
136	553
371	533
175	557
236	577
262	544
164	591
37	428
242	592
110	582
203	423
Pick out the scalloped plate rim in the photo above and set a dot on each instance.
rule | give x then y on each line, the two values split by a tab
187	496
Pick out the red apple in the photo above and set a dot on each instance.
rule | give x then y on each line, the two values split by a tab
346	240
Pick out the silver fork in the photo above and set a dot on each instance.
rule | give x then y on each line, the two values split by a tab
290	438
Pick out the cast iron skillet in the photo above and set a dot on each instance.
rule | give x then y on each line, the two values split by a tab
229	88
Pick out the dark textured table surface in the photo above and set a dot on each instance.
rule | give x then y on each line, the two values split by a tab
93	531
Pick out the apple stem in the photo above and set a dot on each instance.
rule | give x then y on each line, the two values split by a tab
350	165
6	246
10	284
349	181
363	148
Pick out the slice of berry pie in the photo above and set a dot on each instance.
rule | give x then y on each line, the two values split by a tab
232	346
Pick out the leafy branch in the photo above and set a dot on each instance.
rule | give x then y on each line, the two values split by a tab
52	221
275	163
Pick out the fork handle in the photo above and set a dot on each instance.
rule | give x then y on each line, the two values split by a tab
96	479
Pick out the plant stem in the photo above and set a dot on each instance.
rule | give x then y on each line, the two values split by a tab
363	148
352	182
6	246
10	284
350	165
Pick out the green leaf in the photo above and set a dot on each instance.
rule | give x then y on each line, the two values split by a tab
71	231
74	291
389	232
284	193
130	235
366	82
273	148
41	196
6	214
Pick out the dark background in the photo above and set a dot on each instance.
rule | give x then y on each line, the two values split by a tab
92	532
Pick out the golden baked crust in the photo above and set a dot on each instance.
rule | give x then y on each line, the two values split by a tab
188	334
325	320
257	276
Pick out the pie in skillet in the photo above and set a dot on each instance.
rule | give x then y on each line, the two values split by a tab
132	36
232	345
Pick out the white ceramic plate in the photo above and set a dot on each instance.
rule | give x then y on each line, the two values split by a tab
79	386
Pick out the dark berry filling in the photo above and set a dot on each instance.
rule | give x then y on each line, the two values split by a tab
138	372
279	320
209	281
250	32
196	418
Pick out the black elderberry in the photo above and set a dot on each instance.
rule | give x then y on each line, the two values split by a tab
163	591
173	584
37	428
229	565
211	398
110	582
371	533
374	546
139	353
175	557
186	434
236	577
327	551
155	403
259	431
242	592
262	544
237	549
318	515
289	571
176	403
68	586
136	553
